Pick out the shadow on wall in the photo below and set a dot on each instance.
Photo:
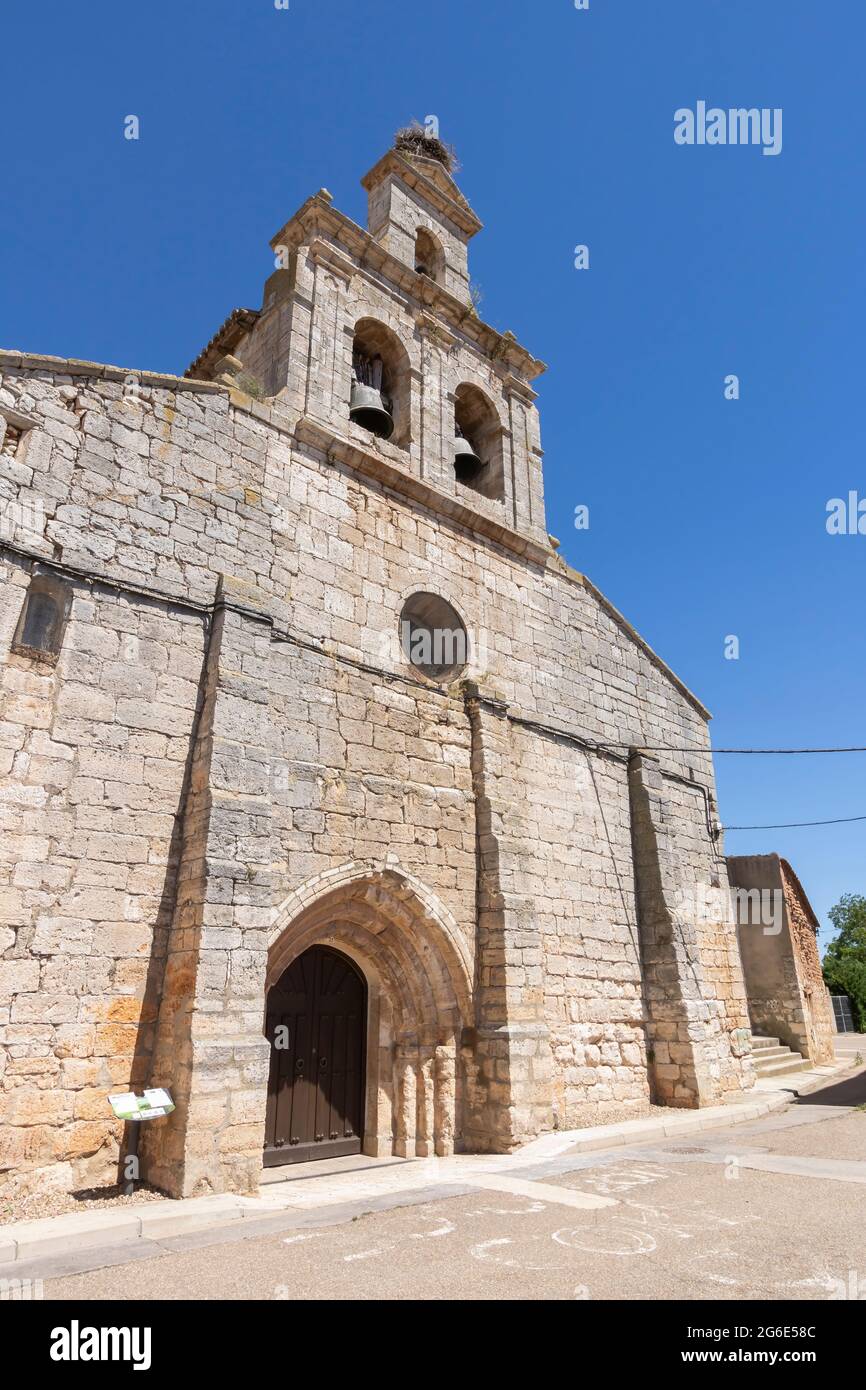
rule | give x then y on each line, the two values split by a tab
141	1074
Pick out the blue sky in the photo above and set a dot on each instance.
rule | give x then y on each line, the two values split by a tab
707	516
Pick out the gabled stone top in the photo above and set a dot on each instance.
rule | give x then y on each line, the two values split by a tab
317	216
431	179
743	868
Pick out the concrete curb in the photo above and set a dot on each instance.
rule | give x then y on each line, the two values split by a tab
77	1231
59	1235
645	1131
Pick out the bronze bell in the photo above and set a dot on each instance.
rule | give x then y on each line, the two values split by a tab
467	464
367	408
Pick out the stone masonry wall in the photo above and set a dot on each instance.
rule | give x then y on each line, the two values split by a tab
209	1046
697	1033
94	754
575	849
366	766
164	488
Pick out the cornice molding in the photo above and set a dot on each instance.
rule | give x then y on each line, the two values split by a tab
516	386
75	366
373	465
324	253
430	327
316	219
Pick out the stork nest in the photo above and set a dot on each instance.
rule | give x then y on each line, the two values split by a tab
413	139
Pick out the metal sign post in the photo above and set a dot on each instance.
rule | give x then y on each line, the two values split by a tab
133	1109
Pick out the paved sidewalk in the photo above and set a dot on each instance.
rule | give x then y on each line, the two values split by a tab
768	1210
315	1187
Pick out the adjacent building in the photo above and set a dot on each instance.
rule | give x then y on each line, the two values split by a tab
778	931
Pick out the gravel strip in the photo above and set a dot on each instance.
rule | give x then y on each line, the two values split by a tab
35	1205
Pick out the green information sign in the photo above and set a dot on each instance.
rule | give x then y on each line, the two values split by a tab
149	1106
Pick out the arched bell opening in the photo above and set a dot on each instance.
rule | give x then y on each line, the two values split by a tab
379	395
429	256
477	442
418	995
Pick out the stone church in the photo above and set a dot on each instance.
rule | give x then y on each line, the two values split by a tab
333	800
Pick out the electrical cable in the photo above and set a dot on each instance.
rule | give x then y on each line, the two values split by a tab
796	824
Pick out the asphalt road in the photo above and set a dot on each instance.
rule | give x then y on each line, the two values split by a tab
771	1210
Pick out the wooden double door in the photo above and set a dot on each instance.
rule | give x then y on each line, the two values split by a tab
315	1023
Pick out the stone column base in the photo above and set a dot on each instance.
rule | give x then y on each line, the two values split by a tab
513	1100
213	1141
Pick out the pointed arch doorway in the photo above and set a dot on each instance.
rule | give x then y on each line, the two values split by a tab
316	1023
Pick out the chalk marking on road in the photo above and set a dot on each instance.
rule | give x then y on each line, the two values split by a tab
479	1252
825	1282
648	1217
446	1228
368	1254
822	1280
541	1191
702	1217
294	1240
671	1220
624	1176
634	1228
712	1275
608	1240
490	1250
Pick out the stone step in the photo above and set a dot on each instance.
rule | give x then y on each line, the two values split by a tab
774	1058
782	1066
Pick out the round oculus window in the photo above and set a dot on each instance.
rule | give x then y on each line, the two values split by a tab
433	638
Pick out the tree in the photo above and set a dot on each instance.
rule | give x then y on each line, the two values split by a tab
845	957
